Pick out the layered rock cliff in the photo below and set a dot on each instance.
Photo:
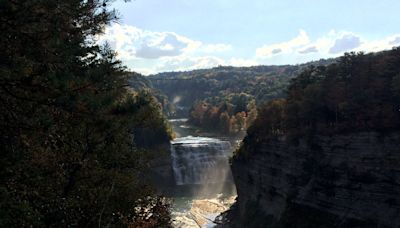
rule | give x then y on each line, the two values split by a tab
348	180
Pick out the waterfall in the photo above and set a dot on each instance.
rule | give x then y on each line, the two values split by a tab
200	160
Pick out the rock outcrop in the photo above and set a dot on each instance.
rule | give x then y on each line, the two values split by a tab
348	180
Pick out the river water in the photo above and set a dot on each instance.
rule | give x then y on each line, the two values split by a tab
200	161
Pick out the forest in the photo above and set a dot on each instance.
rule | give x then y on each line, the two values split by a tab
224	98
361	92
79	131
72	129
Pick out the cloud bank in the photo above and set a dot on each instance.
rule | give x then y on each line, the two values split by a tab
346	43
150	52
306	50
284	47
330	45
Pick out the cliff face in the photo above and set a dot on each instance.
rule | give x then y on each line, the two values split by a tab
340	181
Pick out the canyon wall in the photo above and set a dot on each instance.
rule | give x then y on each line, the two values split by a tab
350	180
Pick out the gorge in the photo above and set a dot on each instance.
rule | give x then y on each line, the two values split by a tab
324	156
202	181
210	137
347	180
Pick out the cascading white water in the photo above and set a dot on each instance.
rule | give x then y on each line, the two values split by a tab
200	160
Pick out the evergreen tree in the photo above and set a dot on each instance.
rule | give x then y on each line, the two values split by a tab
68	157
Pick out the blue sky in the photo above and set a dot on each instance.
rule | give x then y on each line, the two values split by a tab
169	35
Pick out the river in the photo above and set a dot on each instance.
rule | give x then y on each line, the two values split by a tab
200	162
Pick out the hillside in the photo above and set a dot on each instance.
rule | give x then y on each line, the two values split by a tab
262	82
327	155
225	98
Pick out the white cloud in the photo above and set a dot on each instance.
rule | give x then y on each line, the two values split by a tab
345	43
150	52
212	48
131	43
168	45
333	44
307	50
395	41
241	62
285	47
379	45
182	63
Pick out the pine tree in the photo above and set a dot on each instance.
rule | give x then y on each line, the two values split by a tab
68	157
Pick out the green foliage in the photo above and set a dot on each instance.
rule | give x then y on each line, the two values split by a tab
138	82
205	94
358	93
262	82
229	115
150	126
67	121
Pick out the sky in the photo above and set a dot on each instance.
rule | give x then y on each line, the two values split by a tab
175	35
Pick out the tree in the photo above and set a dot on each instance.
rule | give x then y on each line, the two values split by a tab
224	122
358	93
68	157
396	86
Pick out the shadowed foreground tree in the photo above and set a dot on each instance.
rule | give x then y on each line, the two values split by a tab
67	152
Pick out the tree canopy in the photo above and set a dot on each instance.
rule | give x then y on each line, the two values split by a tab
358	93
68	121
241	88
